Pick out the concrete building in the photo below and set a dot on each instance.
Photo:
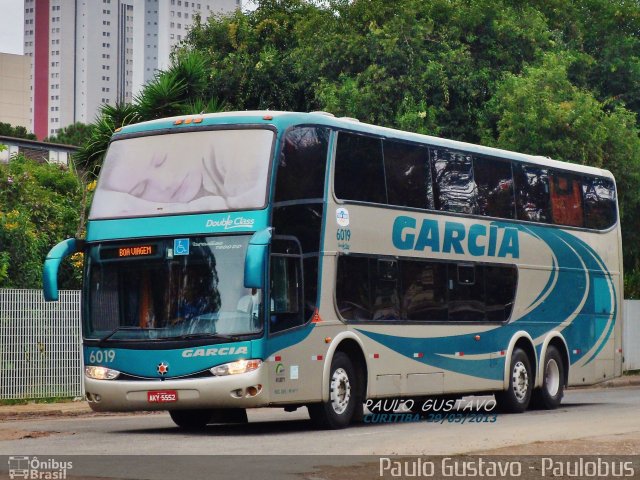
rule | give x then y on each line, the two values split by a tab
92	52
15	93
159	25
39	151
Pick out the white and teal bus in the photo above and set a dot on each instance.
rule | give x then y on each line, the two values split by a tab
274	259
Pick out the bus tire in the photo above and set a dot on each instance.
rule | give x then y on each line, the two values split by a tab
549	395
339	410
516	398
191	419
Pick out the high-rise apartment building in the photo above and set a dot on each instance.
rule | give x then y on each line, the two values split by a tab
92	52
160	25
15	72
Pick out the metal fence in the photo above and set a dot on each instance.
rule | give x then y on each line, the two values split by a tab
631	335
40	345
41	354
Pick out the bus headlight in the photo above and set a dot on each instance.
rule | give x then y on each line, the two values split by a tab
234	368
101	373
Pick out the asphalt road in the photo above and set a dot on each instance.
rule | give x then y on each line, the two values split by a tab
592	420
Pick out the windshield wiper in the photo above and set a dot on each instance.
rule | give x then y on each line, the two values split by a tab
234	338
116	330
188	336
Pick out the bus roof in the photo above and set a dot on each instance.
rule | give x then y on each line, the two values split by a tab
284	120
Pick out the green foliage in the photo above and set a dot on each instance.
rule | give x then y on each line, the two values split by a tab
8	130
541	112
39	207
75	134
548	77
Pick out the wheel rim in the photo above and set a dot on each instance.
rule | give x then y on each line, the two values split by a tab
520	381
552	377
340	391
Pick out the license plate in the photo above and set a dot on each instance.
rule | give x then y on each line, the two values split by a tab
162	396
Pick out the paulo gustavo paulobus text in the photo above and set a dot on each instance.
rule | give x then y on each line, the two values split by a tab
505	467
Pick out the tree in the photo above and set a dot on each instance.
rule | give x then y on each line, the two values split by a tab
541	112
8	130
180	90
75	134
39	207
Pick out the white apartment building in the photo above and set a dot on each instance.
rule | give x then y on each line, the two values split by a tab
161	26
87	53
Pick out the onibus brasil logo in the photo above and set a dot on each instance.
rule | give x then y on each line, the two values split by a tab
35	468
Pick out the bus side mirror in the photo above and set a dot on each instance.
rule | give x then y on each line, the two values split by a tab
52	264
255	263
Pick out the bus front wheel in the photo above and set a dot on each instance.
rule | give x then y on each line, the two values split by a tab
339	410
191	419
515	399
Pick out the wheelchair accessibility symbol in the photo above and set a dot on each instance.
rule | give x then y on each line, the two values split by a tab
181	246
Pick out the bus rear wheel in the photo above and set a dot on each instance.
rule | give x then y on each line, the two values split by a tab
516	398
339	410
550	394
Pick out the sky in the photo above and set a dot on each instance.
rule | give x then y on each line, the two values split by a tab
12	30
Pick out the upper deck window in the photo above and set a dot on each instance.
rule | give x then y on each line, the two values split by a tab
456	189
359	169
495	187
532	193
188	172
599	202
408	174
302	164
566	200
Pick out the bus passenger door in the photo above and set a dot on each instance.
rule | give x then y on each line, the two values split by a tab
290	375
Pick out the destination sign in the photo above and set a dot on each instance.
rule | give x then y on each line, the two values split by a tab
128	251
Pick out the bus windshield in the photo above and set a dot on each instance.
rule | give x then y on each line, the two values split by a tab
168	289
185	172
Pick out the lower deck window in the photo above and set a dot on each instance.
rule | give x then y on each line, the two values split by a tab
367	289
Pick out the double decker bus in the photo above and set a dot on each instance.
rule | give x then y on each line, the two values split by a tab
278	259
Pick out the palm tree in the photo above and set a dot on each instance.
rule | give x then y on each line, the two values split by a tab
180	90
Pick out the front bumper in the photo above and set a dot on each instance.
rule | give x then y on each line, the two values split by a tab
244	390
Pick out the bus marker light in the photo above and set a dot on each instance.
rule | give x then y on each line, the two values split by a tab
459	354
619	350
178	122
577	352
327	340
418	355
268	117
477	338
374	355
316	317
187	121
316	357
502	353
197	120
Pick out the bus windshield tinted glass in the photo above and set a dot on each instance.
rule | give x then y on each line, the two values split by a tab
202	171
160	289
